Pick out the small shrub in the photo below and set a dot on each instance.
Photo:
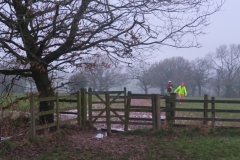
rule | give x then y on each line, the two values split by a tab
8	145
34	139
192	132
136	132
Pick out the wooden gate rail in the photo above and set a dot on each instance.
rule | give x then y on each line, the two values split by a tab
154	108
57	110
115	97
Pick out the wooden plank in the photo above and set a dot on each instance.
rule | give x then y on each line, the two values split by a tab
32	117
143	107
104	92
98	102
205	107
227	119
140	119
100	98
44	99
117	109
128	103
173	96
207	101
68	100
83	103
98	109
57	111
213	113
108	118
125	109
131	123
168	109
45	112
154	122
45	126
140	123
190	118
202	110
94	120
116	114
76	113
111	116
90	107
140	110
209	119
158	111
79	115
112	122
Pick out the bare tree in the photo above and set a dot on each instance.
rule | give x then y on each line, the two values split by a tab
176	69
105	74
226	63
39	38
200	73
140	72
77	81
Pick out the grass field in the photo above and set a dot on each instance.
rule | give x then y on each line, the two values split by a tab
166	144
198	142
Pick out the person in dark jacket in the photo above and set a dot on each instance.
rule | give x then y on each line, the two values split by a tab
169	87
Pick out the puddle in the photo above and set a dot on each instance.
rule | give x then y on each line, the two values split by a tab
114	130
101	135
4	138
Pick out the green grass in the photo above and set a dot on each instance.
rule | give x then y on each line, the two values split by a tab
165	144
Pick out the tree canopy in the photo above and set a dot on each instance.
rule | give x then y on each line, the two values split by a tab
41	37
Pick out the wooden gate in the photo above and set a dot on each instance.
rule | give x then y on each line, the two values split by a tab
106	105
153	108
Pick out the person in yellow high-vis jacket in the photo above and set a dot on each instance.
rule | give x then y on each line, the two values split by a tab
182	91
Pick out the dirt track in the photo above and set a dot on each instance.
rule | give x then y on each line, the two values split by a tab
134	102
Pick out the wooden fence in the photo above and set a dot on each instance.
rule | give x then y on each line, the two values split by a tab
79	106
108	98
208	107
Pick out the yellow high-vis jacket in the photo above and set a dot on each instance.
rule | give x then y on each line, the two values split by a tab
181	90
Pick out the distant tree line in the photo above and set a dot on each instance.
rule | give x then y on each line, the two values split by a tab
218	73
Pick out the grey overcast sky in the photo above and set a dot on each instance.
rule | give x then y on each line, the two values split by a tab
224	29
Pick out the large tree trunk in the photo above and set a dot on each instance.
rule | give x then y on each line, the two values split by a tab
199	90
229	92
45	89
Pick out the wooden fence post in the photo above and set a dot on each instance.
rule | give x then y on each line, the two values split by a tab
157	111
154	118
57	110
84	106
173	106
205	113
213	112
79	118
127	110
90	106
107	101
168	115
125	106
32	116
